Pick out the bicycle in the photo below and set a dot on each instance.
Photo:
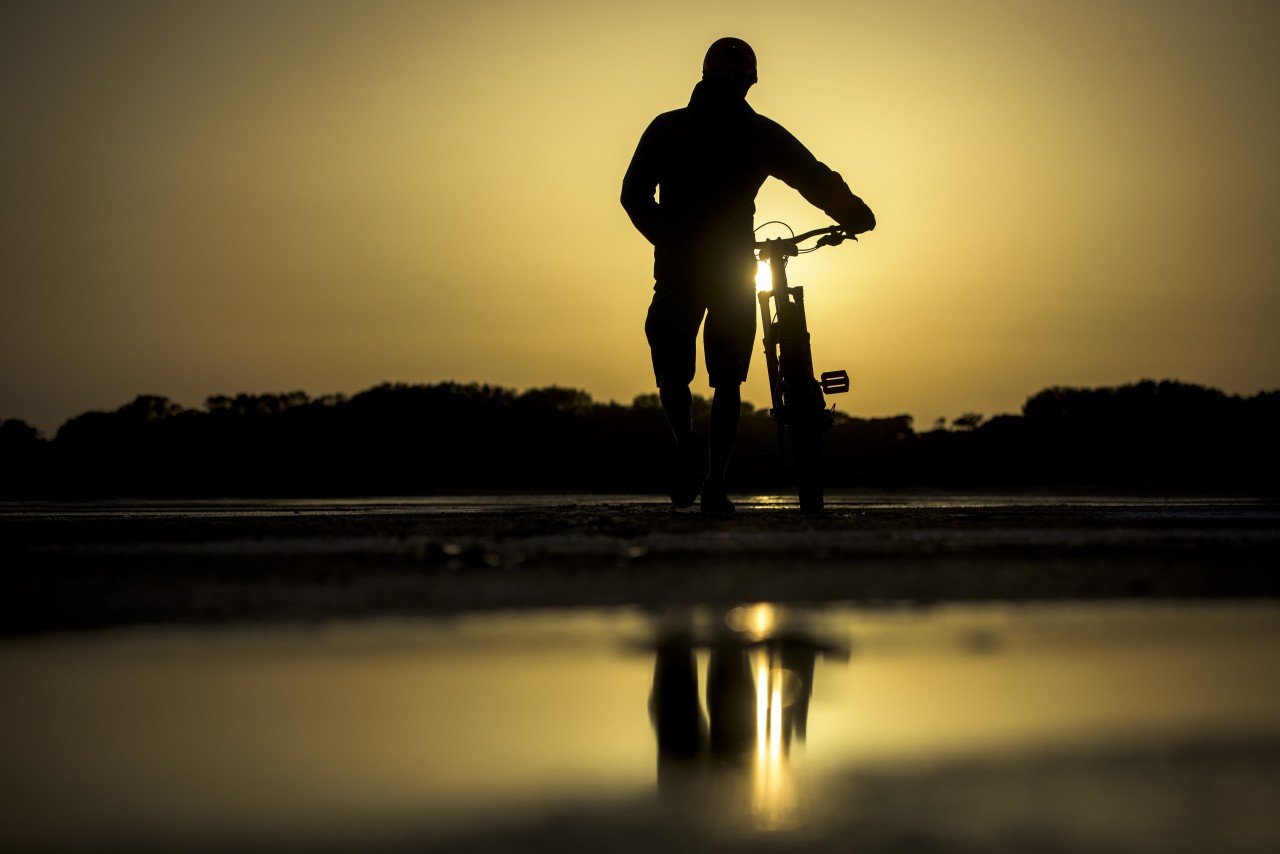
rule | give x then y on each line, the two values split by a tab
798	398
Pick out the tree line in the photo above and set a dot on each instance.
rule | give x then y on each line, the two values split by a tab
400	439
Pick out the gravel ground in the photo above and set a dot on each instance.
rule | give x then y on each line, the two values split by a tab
98	565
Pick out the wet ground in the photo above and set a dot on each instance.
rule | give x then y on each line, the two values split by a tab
927	673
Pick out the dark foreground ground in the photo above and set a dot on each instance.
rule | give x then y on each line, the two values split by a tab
105	564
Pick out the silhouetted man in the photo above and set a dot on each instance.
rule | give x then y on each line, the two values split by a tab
706	162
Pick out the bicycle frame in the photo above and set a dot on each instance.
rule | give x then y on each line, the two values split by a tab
797	397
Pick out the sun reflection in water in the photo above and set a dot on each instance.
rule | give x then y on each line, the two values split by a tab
756	621
731	762
775	803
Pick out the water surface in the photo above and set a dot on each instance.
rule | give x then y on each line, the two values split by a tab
1156	723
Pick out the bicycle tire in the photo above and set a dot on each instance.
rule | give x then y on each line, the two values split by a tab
806	452
805	413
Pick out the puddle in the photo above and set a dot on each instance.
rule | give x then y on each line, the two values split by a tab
687	727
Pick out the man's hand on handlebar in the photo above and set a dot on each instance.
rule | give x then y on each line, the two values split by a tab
835	238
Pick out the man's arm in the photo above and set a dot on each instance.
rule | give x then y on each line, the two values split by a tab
639	185
820	185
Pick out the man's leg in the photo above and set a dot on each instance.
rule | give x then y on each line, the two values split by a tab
728	337
677	404
672	329
726	409
691	452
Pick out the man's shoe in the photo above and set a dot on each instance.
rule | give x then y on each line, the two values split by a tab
686	474
715	501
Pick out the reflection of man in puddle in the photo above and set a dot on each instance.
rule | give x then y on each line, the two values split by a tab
731	766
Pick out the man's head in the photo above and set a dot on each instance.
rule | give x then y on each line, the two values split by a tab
730	59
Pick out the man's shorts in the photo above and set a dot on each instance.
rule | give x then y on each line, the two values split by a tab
728	334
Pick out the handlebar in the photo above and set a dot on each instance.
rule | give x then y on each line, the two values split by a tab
832	235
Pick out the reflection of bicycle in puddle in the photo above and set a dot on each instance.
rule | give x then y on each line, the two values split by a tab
730	765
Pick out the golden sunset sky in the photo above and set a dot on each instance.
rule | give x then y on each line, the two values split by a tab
213	197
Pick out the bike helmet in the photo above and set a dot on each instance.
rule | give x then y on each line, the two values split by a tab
730	58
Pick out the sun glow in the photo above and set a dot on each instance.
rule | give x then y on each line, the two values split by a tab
764	279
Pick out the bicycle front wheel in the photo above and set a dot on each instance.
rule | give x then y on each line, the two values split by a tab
806	451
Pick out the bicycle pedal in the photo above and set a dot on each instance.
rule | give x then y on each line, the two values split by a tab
835	382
